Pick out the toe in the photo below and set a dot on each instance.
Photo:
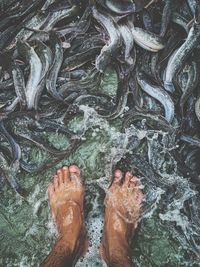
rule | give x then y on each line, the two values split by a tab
56	183
66	176
50	190
75	173
74	169
60	176
128	177
139	197
117	177
134	181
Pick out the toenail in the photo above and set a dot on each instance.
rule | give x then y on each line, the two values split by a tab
129	174
65	168
118	173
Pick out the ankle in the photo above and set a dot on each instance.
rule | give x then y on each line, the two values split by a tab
120	256
116	243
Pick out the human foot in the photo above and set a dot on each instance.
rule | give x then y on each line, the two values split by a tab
66	195
122	213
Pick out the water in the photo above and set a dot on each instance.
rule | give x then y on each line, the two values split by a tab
169	234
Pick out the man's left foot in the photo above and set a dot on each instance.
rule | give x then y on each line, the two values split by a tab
66	196
122	214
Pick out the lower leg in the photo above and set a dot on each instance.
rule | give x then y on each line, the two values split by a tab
60	256
66	195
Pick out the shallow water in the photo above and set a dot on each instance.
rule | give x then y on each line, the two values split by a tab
166	236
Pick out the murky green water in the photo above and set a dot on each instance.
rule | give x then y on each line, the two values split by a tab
165	235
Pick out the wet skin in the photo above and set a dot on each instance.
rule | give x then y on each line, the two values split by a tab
122	212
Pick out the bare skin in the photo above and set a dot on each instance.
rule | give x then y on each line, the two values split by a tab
66	195
122	213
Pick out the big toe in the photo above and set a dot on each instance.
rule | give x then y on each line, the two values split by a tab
117	177
75	173
66	175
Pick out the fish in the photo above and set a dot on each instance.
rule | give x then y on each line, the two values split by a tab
19	84
191	140
153	120
79	59
56	16
191	70
16	151
197	108
6	85
158	93
181	20
147	20
90	83
108	51
147	40
125	7
134	163
9	173
35	75
180	57
166	16
53	71
128	41
192	5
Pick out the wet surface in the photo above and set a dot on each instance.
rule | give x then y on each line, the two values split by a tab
169	233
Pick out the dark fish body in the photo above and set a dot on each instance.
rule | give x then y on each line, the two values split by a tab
6	84
197	108
158	93
147	20
128	41
35	74
191	83
58	15
191	140
147	40
153	120
79	59
124	7
19	83
16	151
136	162
109	49
192	5
180	20
181	56
166	16
9	173
57	51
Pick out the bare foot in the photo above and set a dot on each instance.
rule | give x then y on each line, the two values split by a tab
122	213
66	195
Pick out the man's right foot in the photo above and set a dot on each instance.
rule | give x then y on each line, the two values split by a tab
122	214
66	196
